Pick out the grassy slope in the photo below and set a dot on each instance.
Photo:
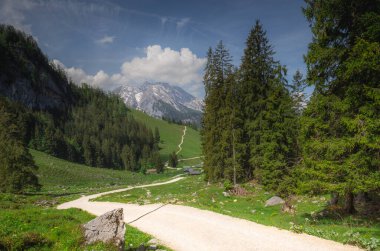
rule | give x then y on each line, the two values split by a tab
61	176
193	191
25	225
171	136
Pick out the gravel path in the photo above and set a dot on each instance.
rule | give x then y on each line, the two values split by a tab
180	144
186	228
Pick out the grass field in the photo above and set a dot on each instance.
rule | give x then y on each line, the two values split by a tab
171	135
194	192
59	176
31	222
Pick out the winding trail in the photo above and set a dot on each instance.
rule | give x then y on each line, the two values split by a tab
183	137
187	228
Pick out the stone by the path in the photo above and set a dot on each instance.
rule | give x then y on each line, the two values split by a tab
153	242
107	228
275	200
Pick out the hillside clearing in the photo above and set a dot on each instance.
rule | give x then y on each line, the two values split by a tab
171	135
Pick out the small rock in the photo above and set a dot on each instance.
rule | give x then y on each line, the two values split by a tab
108	227
213	200
275	200
314	202
194	194
226	194
153	242
253	211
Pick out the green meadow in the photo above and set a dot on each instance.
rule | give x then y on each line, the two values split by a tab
171	135
31	221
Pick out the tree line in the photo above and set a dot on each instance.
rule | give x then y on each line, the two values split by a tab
256	125
95	128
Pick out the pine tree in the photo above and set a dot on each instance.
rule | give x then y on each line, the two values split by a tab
157	162
341	125
17	168
128	157
173	160
268	114
215	143
156	136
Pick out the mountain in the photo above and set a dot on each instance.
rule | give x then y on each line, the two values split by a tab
162	100
26	75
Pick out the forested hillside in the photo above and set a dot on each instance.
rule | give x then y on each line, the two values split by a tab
41	109
258	126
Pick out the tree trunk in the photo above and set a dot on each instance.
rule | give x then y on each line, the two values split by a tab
334	199
349	203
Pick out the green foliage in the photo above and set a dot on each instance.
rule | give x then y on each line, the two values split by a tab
157	162
249	125
218	125
340	127
354	238
17	168
97	130
173	160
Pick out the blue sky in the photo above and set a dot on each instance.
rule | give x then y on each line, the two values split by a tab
110	43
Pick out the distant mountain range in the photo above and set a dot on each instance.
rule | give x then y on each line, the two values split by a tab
162	100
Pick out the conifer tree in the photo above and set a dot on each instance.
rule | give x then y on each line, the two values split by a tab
216	143
268	113
173	160
341	125
17	168
156	136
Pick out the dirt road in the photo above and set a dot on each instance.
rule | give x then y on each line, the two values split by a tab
186	228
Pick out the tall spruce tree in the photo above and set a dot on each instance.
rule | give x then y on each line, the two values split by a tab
17	168
341	125
268	113
216	144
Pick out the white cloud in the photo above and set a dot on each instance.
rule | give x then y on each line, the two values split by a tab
182	22
106	40
182	68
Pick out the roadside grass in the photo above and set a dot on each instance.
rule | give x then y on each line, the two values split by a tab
26	226
134	238
31	222
171	135
193	191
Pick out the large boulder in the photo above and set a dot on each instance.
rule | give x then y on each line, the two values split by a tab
107	228
275	200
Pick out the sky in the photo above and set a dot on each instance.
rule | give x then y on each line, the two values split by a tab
118	42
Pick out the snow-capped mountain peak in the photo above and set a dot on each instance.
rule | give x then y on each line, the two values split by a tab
162	100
